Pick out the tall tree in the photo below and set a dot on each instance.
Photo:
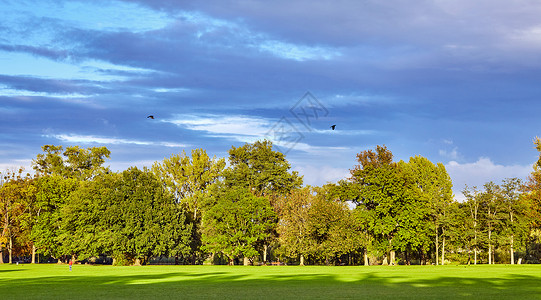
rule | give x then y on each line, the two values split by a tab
74	162
491	207
52	193
235	222
516	208
145	221
381	191
261	170
189	179
264	172
12	193
472	221
292	228
433	188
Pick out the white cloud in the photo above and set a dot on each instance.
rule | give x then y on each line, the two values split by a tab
481	172
90	139
453	154
239	125
297	52
319	175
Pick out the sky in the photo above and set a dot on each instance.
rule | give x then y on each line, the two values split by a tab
458	82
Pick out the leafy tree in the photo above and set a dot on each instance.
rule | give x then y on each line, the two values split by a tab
14	190
293	231
433	191
189	179
52	194
236	222
74	162
261	170
144	220
471	234
332	226
264	173
381	193
491	207
516	208
85	222
532	196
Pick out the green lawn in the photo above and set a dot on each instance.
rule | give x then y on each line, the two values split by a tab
269	282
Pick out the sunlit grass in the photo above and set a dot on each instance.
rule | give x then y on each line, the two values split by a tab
269	282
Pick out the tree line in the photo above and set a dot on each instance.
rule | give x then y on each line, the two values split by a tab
253	209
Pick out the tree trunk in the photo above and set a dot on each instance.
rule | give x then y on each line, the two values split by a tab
33	253
10	250
393	258
385	262
265	254
443	251
512	251
246	261
366	263
475	256
1	255
437	246
302	260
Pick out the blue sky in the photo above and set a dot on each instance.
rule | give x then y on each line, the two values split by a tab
455	81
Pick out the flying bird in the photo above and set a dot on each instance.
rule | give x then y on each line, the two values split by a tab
151	116
333	126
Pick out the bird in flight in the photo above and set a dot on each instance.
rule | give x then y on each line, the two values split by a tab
151	117
333	126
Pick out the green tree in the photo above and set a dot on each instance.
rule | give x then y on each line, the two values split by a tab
261	170
433	191
333	228
293	231
516	208
74	162
52	192
145	220
265	173
13	191
189	179
381	193
472	215
236	222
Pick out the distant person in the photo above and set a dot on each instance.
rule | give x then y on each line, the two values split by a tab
71	263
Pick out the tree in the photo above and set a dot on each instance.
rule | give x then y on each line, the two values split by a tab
264	173
15	188
332	227
433	188
516	208
532	196
74	162
145	220
381	193
292	227
471	228
52	194
189	179
261	170
235	222
491	206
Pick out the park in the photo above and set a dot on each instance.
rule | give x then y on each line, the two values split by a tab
55	281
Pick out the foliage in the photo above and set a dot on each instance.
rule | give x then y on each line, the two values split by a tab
74	162
236	222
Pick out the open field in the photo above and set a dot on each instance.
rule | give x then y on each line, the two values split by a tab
270	282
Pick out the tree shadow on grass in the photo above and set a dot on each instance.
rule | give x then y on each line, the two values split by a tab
230	285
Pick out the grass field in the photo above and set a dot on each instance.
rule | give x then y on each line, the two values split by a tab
270	282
